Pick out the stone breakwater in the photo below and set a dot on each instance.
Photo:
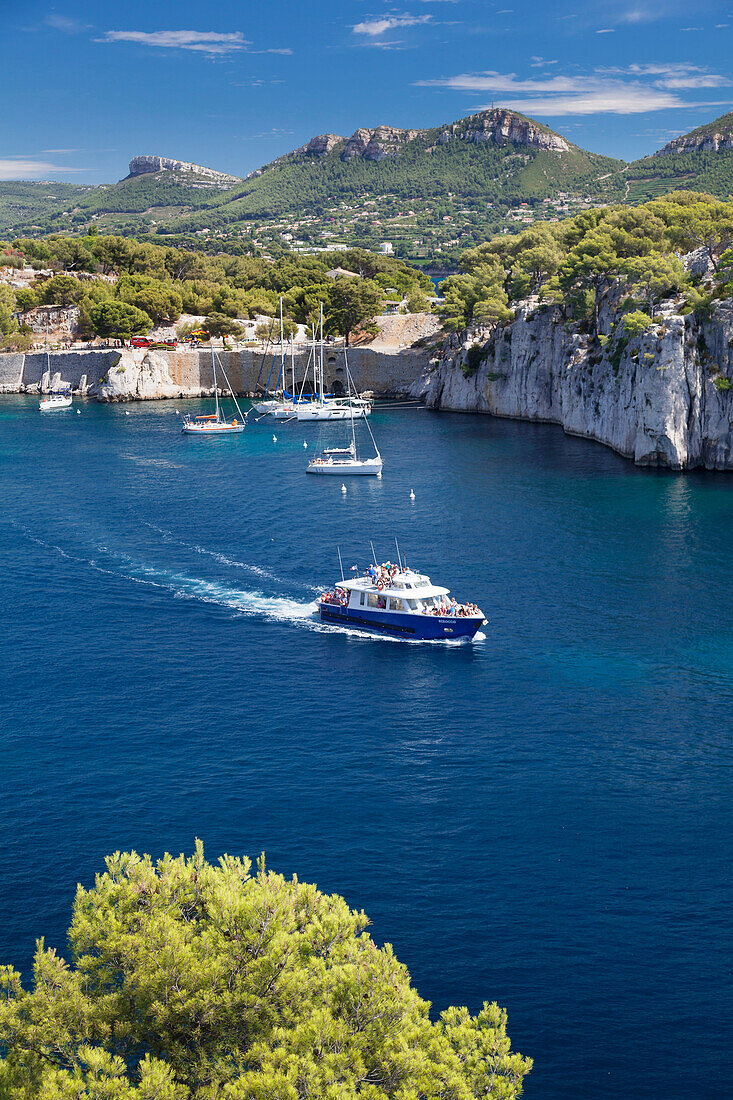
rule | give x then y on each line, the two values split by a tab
661	399
129	374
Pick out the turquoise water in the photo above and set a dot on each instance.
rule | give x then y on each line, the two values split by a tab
541	817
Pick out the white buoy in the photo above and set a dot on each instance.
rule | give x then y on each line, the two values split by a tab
274	439
304	443
126	413
412	494
343	488
78	412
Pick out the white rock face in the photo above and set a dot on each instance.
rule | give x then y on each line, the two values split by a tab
140	165
654	401
137	375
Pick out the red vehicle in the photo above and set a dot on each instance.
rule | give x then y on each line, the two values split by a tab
140	342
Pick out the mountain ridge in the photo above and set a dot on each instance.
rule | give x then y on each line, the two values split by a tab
429	190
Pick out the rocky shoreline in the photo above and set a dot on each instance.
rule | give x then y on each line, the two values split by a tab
662	399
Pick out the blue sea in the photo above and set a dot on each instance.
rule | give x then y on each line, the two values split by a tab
541	817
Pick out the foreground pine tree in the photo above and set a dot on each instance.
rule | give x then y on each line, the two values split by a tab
195	981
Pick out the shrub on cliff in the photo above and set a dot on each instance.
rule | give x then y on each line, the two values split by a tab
635	323
194	981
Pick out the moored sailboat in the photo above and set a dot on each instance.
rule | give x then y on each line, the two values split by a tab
216	423
346	460
54	399
328	407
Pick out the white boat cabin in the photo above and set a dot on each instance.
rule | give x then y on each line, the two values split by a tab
404	592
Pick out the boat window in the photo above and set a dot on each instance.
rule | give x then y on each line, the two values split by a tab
363	598
396	604
377	600
421	584
412	604
428	601
373	599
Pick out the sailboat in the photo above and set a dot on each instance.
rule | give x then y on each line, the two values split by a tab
55	399
345	460
271	401
325	407
216	423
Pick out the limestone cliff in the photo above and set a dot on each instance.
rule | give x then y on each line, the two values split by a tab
498	125
660	399
139	166
136	376
711	138
504	127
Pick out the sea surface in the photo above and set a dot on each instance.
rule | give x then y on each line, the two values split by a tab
541	817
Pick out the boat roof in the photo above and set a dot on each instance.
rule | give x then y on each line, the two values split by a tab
404	583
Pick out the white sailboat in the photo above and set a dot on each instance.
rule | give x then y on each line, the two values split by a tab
54	399
330	408
215	424
345	460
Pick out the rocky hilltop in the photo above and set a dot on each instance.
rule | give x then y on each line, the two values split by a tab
499	126
711	138
144	165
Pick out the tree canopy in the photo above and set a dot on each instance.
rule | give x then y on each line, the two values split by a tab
189	980
575	262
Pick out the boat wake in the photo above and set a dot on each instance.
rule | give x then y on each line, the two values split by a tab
250	603
223	559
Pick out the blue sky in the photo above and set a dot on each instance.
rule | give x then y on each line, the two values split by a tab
233	85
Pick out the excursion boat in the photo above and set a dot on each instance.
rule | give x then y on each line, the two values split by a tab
397	601
215	423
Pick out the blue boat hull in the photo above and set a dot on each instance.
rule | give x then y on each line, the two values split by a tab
423	628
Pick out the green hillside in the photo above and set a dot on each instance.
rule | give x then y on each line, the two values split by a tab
22	203
710	172
433	189
430	193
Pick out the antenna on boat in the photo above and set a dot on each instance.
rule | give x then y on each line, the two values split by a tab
373	554
397	548
343	578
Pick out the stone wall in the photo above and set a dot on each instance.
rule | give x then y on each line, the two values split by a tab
188	372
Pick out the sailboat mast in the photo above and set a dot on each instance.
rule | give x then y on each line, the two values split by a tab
321	353
48	360
213	367
292	361
282	348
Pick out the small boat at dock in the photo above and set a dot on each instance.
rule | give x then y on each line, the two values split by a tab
395	600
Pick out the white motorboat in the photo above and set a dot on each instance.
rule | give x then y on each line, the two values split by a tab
215	423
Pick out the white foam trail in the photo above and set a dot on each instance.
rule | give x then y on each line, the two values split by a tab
255	570
250	603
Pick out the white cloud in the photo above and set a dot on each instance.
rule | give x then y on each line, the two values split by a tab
602	92
372	28
209	42
22	168
63	23
676	75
